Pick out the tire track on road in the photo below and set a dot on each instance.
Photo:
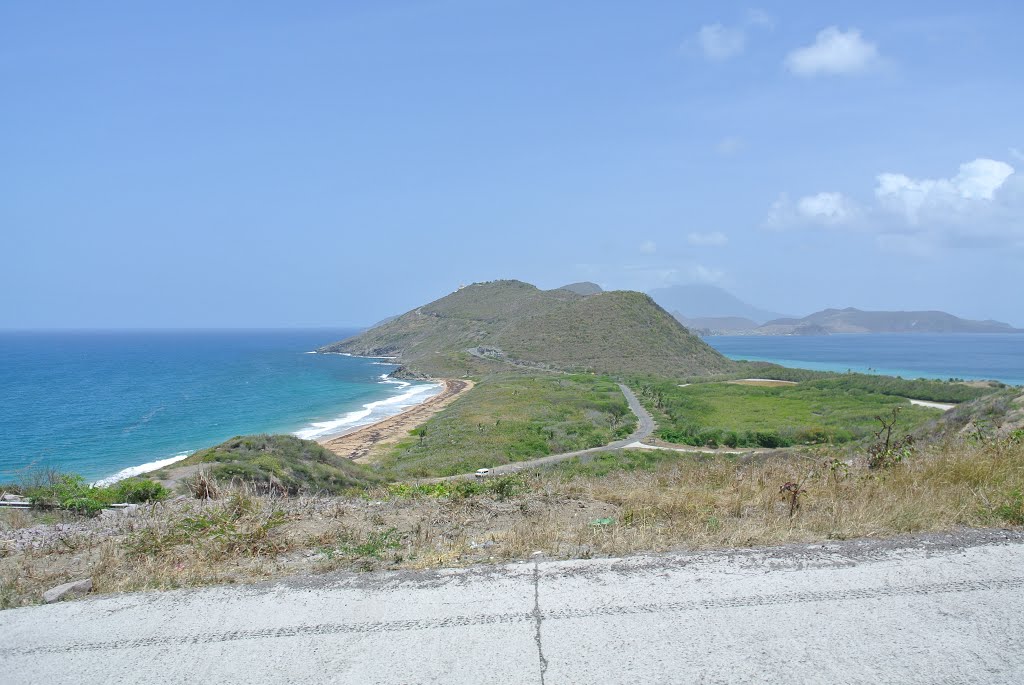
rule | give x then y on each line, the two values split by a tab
533	617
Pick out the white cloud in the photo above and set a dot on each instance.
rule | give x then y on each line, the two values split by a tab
940	199
721	42
833	52
729	146
982	205
648	247
822	209
645	277
828	208
713	239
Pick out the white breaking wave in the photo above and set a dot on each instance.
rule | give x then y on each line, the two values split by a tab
141	469
372	411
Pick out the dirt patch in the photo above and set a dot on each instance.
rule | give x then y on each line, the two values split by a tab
762	382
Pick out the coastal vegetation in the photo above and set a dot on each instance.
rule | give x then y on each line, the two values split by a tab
494	326
276	463
734	415
610	504
932	390
508	418
546	367
52	489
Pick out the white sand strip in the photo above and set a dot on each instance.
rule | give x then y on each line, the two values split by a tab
934	405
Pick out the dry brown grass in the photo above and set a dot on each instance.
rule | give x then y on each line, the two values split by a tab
681	502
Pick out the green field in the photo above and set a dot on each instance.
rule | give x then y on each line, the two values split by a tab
919	388
508	418
715	414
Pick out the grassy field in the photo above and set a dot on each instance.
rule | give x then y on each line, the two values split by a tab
615	504
714	414
920	389
510	418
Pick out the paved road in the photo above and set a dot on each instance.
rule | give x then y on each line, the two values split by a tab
930	609
644	428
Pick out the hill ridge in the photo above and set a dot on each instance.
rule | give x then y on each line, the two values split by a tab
508	321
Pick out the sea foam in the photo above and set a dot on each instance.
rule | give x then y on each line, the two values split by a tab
141	469
372	412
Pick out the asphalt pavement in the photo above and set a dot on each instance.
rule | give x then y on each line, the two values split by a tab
928	609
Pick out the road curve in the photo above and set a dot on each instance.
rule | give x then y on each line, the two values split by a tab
644	428
927	609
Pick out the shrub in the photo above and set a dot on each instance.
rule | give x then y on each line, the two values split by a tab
137	491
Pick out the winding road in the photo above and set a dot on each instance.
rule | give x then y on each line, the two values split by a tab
645	427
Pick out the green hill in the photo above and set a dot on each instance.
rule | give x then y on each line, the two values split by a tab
278	462
486	326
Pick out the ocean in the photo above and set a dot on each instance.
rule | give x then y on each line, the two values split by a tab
996	356
105	404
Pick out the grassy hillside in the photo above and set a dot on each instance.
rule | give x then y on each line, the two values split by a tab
507	322
511	418
279	462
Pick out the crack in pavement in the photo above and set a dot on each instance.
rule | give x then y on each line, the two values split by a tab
538	618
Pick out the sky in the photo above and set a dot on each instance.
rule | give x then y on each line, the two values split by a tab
258	164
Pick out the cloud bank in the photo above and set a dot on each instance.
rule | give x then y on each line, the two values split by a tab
981	205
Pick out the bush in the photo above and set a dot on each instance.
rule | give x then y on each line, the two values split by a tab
72	492
137	491
769	439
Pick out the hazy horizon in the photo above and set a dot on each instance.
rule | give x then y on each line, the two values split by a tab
194	167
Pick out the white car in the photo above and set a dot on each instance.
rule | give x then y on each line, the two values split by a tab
480	473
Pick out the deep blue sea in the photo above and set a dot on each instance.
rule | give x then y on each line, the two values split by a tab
99	403
969	356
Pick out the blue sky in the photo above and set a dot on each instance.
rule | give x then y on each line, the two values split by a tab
296	164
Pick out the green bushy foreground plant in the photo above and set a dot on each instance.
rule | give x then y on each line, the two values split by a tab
502	488
72	492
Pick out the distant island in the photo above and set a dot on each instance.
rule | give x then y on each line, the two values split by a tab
848	321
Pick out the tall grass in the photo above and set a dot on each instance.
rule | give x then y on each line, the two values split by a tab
618	503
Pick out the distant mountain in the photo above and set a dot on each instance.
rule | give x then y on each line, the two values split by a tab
583	288
852	320
717	325
697	301
488	326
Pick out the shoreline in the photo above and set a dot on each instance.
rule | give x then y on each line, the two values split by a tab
357	443
321	433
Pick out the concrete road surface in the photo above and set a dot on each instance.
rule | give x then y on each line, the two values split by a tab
932	609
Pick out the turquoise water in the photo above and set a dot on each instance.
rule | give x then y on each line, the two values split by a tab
969	356
98	403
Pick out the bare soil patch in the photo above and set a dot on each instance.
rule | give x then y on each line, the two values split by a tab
762	382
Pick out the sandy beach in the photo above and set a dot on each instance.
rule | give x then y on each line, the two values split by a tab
356	445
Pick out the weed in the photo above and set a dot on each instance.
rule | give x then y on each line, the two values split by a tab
790	493
1013	511
887	451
